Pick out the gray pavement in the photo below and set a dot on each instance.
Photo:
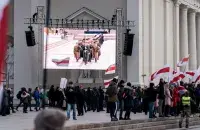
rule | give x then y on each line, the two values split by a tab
20	121
190	128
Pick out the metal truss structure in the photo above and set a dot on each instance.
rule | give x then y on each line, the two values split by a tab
117	23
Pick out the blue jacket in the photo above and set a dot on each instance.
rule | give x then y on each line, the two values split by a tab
36	94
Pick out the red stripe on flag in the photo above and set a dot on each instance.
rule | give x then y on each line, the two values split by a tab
163	70
198	78
3	36
185	59
190	73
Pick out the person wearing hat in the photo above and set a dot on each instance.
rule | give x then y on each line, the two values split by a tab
50	119
185	103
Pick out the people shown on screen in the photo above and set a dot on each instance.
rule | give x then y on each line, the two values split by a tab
88	48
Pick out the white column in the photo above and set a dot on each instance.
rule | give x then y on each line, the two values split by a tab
166	33
183	33
152	36
176	33
192	39
198	38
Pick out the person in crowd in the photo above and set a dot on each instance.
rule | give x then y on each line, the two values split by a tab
10	100
5	102
139	98
51	96
30	98
191	89
25	98
151	93
145	100
185	105
88	100
50	119
36	96
197	95
71	100
19	97
128	103
161	97
175	99
95	99
112	99
80	101
60	98
101	99
168	99
84	98
121	98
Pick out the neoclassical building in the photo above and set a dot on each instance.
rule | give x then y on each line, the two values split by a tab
165	31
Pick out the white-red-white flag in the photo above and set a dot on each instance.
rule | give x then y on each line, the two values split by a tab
183	62
196	76
4	5
61	62
160	73
178	76
107	82
111	69
190	74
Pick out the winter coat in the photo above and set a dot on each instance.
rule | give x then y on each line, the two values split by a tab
112	92
36	95
25	97
161	91
168	96
176	97
70	95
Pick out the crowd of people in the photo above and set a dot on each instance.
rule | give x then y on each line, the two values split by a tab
163	100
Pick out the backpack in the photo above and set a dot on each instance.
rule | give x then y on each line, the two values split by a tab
18	95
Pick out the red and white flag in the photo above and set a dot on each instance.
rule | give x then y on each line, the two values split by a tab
61	62
4	5
111	69
178	76
196	76
190	74
160	73
183	62
107	82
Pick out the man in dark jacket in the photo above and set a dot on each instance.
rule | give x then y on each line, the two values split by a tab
161	97
112	99
71	100
151	93
5	102
101	98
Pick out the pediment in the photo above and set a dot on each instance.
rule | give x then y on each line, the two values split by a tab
85	14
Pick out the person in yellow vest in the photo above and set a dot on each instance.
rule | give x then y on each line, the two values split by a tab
185	101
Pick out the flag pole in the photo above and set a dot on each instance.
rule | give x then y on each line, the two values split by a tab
48	5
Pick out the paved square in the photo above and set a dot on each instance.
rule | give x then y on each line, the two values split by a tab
20	121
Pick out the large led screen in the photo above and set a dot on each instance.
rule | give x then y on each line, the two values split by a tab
79	49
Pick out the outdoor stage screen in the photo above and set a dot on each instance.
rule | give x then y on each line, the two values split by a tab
79	49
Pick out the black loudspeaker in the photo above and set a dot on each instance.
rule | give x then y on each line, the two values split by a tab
128	44
30	38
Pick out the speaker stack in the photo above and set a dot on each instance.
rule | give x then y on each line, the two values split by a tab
128	43
30	37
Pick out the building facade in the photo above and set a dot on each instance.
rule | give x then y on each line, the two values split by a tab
165	32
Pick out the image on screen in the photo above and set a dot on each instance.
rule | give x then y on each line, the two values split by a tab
79	49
